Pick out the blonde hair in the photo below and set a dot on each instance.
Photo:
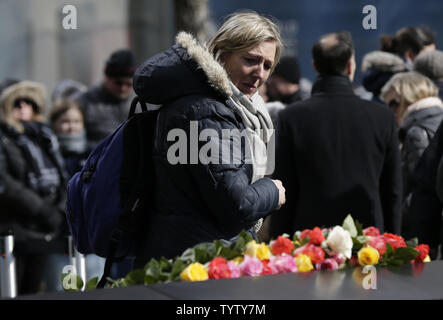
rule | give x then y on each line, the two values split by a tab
410	87
243	31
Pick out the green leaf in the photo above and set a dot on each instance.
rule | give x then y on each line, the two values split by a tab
177	268
135	277
152	272
356	245
165	264
348	224
202	255
395	262
412	242
150	279
218	245
359	228
389	250
246	236
239	245
229	253
91	284
188	255
405	254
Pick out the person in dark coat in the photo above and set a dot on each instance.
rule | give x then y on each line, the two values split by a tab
336	153
283	86
424	215
33	196
419	111
377	68
106	105
201	197
411	41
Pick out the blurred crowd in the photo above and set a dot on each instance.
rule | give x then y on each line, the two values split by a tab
41	147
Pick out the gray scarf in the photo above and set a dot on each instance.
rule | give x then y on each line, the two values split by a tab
259	129
72	143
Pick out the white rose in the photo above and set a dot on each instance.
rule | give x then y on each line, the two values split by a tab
339	241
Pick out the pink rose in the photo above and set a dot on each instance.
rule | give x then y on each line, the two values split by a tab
251	266
327	264
283	263
234	269
378	243
371	231
340	258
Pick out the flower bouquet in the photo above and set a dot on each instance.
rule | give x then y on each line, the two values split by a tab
334	248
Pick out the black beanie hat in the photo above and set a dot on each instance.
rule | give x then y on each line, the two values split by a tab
289	69
121	63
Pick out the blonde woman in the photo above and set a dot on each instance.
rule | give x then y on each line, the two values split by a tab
418	111
202	196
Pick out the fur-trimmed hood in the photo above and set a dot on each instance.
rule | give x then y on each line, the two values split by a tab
184	69
377	68
24	89
383	61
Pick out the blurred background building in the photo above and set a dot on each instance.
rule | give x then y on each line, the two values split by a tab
35	45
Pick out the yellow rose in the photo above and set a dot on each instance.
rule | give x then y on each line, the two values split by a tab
238	260
251	248
263	251
368	256
194	272
260	251
304	263
427	259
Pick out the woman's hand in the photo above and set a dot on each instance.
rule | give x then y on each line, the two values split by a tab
281	193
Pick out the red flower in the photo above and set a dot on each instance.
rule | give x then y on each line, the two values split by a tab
282	245
218	269
423	249
378	243
371	231
315	236
315	253
267	269
394	240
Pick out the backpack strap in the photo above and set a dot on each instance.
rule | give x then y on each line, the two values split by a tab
124	222
134	106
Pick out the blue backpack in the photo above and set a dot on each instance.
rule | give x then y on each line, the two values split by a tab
108	200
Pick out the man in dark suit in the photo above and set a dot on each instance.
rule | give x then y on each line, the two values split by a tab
336	153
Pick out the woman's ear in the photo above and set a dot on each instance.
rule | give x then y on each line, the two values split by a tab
222	58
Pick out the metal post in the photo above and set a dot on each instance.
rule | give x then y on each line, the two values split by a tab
77	261
8	277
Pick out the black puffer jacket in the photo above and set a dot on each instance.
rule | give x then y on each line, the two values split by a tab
415	133
196	202
32	204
